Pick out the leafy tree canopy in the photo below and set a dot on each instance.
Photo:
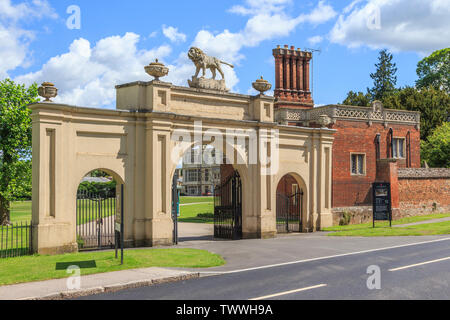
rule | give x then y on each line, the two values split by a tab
358	99
433	105
15	142
384	78
434	71
436	150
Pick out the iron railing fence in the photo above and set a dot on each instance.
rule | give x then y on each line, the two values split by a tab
16	239
228	209
95	219
289	212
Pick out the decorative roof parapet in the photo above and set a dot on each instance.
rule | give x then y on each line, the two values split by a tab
423	173
376	113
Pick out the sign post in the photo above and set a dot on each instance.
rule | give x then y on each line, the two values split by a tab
382	209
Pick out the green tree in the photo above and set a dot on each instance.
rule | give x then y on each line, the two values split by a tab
15	143
384	78
433	104
358	99
436	150
434	71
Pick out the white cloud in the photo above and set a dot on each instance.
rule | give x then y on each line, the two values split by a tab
255	7
227	45
14	40
315	40
86	75
405	25
322	13
36	9
173	35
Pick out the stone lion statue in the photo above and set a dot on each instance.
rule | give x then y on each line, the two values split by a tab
202	61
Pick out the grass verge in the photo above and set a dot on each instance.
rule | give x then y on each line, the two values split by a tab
37	267
382	228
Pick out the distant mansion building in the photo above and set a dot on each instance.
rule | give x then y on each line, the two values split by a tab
199	175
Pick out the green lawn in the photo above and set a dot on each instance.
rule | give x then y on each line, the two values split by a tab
382	227
196	199
20	211
189	213
89	210
33	268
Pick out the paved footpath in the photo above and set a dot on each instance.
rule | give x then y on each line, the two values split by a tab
93	284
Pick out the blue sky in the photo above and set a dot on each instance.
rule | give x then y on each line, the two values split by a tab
117	38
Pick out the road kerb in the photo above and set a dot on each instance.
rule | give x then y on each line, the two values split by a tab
112	288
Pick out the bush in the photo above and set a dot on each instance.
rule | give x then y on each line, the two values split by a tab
345	219
436	150
208	215
98	187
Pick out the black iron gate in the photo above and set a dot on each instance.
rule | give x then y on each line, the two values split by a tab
289	212
228	208
95	220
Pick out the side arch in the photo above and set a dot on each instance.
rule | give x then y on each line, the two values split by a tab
288	178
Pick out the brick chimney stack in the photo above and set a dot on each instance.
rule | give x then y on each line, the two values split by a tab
292	89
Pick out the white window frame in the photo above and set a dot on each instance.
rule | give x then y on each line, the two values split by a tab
395	148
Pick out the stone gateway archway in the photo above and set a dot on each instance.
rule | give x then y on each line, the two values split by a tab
142	140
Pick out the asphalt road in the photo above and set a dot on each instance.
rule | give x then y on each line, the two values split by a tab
424	274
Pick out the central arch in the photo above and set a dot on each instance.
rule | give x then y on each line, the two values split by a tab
232	182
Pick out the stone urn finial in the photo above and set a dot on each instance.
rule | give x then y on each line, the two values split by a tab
261	85
47	90
157	69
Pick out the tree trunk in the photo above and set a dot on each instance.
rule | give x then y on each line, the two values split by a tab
4	212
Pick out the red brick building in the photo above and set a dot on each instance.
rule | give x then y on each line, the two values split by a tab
372	144
365	135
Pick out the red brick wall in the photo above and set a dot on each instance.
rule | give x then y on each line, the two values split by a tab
359	137
226	170
285	184
424	196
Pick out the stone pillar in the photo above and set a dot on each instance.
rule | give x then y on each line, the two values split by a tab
324	180
158	220
259	202
53	207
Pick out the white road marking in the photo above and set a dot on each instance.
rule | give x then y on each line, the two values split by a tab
419	264
289	292
322	258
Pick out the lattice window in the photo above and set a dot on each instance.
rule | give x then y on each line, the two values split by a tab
358	164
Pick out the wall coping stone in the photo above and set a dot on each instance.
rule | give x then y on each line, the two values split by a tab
423	173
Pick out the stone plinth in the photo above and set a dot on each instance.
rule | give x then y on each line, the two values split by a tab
211	84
